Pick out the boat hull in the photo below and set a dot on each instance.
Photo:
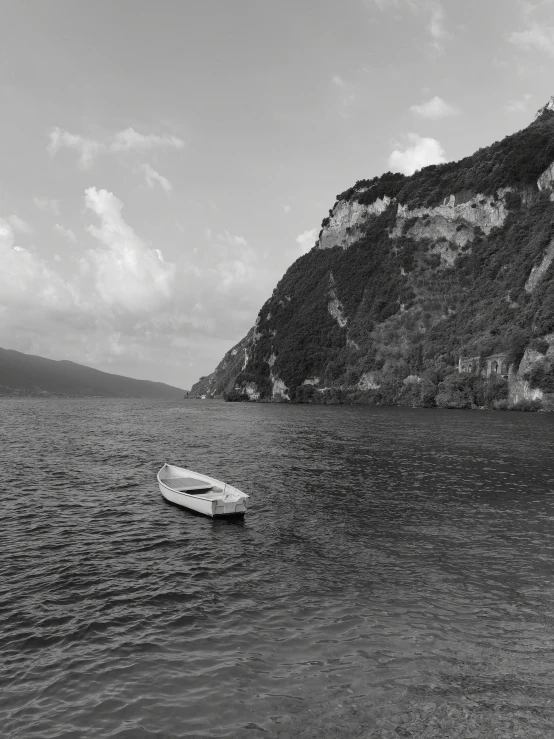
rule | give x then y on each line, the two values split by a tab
187	501
212	508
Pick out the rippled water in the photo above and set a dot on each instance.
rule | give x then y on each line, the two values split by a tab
393	576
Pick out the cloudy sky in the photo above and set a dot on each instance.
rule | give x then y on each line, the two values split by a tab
165	161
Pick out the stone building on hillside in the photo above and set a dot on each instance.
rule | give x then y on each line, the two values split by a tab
493	365
497	364
469	365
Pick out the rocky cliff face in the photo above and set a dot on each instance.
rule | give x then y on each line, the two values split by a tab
408	274
222	379
346	220
456	219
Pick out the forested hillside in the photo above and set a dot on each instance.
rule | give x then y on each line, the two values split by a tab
412	273
25	374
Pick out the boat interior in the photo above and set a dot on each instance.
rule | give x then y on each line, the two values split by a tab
190	485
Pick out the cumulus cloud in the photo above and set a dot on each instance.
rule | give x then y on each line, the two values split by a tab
237	267
20	225
537	33
77	317
29	285
124	301
232	239
48	205
436	27
421	153
131	139
307	239
128	274
67	233
152	177
88	149
536	36
122	141
115	284
519	106
434	108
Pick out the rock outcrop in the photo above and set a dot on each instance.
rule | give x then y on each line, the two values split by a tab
346	220
520	390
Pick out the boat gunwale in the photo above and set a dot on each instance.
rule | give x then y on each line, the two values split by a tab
206	478
179	492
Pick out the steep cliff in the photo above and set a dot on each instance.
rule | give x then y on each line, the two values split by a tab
222	379
410	273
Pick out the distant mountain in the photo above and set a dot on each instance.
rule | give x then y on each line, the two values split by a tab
433	289
28	375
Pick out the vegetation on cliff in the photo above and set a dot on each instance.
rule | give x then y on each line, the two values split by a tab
385	320
222	380
516	161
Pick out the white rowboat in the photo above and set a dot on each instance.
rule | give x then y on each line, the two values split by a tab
200	493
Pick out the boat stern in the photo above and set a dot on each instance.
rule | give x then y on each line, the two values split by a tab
229	507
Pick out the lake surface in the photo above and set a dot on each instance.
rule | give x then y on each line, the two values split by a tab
394	575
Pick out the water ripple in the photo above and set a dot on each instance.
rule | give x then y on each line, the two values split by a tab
393	576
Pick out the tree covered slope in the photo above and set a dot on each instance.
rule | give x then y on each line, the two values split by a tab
25	374
409	274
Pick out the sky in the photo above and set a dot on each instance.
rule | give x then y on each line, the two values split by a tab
165	161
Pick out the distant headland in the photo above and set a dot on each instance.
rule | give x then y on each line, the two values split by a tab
26	375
